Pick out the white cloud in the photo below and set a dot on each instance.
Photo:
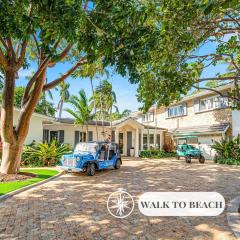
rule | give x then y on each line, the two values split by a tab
25	73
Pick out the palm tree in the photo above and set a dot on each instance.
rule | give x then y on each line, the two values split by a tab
104	99
81	109
94	106
64	96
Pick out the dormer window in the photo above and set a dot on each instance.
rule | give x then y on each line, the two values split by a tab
148	117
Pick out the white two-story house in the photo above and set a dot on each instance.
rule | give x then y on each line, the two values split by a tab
199	119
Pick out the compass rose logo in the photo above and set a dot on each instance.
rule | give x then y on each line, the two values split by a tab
120	204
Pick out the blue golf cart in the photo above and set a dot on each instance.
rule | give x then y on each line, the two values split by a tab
91	156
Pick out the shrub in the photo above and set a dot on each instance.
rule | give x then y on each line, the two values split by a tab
227	151
44	154
156	153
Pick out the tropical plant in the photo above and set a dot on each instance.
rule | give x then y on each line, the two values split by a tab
81	109
227	151
44	154
64	96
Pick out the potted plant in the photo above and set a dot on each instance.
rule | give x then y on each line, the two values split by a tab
132	152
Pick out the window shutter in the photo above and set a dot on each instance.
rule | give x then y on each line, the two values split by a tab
196	106
61	136
90	136
76	138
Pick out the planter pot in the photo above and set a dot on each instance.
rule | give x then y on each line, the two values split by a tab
132	152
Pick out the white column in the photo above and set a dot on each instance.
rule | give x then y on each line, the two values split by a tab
154	139
137	143
116	136
148	140
141	139
125	143
161	139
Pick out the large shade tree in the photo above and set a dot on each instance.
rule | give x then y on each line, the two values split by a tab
119	33
199	42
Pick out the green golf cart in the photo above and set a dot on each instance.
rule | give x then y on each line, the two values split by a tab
189	152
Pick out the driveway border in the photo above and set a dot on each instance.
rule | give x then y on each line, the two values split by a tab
11	194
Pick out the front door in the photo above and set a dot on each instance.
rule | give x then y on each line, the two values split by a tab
129	142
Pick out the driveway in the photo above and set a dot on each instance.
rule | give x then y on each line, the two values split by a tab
73	206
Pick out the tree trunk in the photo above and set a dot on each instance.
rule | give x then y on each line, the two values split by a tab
13	139
11	158
60	108
95	110
87	133
111	124
8	134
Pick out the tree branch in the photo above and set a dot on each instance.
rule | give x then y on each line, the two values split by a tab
3	61
64	76
61	56
4	43
219	78
22	54
41	68
37	45
11	49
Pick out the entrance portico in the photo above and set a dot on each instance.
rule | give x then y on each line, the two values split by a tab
130	134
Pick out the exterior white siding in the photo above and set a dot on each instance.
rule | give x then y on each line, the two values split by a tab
69	131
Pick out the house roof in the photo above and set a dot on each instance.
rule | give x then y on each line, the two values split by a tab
43	116
198	130
122	120
190	97
91	122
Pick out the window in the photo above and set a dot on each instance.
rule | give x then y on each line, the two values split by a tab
176	111
148	117
158	141
212	103
90	136
61	136
83	136
145	142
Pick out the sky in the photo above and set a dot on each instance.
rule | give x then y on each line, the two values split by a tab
125	92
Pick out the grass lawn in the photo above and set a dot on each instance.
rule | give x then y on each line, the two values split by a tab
42	174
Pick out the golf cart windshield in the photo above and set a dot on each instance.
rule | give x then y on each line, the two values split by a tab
85	148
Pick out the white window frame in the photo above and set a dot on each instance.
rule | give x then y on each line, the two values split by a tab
176	112
211	103
148	117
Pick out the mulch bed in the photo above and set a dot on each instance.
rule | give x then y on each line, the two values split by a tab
16	177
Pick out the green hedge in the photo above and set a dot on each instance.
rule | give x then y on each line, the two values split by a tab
228	161
154	153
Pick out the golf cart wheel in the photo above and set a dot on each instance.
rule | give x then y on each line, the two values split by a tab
188	159
201	159
117	164
91	169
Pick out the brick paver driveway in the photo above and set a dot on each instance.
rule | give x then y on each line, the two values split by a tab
73	206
